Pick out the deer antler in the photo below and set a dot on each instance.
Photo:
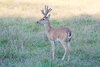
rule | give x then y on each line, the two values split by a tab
47	10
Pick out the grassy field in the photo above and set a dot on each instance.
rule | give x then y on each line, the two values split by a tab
23	43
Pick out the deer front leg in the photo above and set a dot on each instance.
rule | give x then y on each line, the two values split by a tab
53	48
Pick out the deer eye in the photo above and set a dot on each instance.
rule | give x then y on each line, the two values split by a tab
43	18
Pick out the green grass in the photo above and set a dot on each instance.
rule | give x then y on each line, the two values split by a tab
26	44
23	43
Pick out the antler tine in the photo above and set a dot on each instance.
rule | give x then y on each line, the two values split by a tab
46	8
50	9
42	11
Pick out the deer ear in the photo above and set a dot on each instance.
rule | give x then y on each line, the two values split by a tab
49	16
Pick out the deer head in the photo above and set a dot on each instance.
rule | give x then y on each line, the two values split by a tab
45	19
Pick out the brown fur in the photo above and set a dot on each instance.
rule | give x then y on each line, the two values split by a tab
61	33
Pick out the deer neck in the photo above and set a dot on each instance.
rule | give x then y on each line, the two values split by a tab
47	27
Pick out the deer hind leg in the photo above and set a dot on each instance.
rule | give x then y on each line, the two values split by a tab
69	46
66	49
53	48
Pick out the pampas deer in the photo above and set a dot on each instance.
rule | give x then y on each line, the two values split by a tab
56	34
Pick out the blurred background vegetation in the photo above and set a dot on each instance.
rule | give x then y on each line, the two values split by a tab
23	43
